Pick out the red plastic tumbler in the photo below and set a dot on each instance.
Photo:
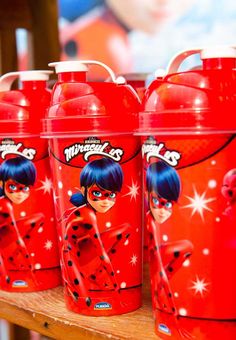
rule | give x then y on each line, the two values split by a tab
188	126
96	165
29	258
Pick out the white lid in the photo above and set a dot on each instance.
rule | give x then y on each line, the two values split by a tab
34	75
221	51
69	66
7	79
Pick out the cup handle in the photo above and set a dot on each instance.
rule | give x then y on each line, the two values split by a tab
177	60
7	80
116	80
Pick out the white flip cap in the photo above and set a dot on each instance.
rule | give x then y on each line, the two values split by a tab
34	75
69	66
7	79
221	51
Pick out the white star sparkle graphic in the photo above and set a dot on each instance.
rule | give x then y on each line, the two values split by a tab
48	245
46	185
199	286
134	260
133	190
199	203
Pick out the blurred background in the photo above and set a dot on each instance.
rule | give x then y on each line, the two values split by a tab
139	36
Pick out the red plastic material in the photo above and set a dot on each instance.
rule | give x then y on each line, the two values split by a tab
86	107
137	81
192	101
21	110
95	162
188	126
29	258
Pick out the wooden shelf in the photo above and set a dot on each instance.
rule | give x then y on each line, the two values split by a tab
45	313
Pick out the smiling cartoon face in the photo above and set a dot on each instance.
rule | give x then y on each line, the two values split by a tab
161	208
228	189
100	199
16	192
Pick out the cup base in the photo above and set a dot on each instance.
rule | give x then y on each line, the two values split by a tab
105	303
168	326
31	281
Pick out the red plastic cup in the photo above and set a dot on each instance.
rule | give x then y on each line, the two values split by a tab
188	141
29	258
96	165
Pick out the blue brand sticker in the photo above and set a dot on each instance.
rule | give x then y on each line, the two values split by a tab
102	306
164	329
19	283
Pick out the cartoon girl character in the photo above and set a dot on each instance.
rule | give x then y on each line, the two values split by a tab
228	190
163	187
87	252
17	177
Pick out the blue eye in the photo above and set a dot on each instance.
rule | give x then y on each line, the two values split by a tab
97	193
12	187
112	195
168	205
26	189
155	201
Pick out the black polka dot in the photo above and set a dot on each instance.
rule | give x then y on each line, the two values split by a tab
77	213
170	269
76	295
173	309
70	263
151	236
5	215
75	227
96	235
88	226
26	256
119	237
33	224
76	282
112	273
10	258
115	285
102	257
78	253
127	235
113	251
156	248
69	247
176	254
8	280
187	255
82	275
74	236
27	236
93	277
161	274
66	237
41	224
88	301
170	295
